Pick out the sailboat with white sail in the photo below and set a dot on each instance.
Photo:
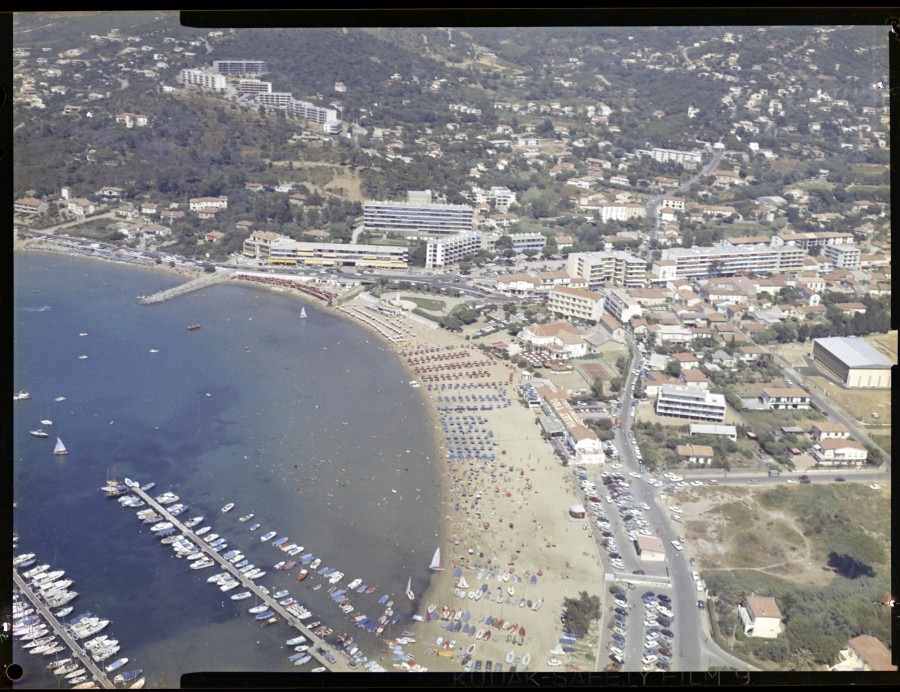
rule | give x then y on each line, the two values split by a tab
303	313
60	447
436	562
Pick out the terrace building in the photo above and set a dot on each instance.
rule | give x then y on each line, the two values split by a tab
201	78
575	303
727	260
236	67
417	219
615	268
781	398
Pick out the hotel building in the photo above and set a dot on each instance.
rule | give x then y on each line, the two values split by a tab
843	256
621	305
418	219
690	402
575	303
600	268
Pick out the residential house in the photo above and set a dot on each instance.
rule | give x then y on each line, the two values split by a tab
686	360
838	452
760	617
558	340
829	430
865	653
780	398
110	191
694	378
749	353
30	206
81	207
723	359
213	236
695	454
149	209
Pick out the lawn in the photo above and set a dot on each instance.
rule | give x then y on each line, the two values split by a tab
429	304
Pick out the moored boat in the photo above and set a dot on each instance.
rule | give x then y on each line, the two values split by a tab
38	433
228	507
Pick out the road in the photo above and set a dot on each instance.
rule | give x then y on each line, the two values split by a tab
693	648
652	206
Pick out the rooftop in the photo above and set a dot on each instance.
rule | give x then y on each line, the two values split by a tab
853	352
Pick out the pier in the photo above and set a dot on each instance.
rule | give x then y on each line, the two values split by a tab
60	630
196	284
312	639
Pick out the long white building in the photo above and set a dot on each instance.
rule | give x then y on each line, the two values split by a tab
233	67
441	253
575	303
690	402
201	78
418	219
284	251
727	260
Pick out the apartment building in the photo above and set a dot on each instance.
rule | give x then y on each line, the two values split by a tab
575	303
621	212
690	402
235	67
843	256
688	159
201	78
254	86
418	220
726	260
621	305
616	268
808	240
441	253
274	99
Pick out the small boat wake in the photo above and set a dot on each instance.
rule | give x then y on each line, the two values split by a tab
43	308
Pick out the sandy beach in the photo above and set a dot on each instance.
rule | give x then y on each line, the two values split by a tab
507	531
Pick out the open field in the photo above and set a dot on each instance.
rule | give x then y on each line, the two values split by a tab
778	531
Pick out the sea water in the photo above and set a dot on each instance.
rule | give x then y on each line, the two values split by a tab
309	423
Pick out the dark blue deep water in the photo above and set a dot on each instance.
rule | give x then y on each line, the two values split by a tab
310	424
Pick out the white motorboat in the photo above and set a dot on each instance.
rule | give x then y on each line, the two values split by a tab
409	592
39	433
228	507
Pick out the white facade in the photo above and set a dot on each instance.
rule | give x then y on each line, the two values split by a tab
202	78
621	305
418	219
575	303
616	267
690	402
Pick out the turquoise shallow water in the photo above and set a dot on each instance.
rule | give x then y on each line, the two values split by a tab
310	424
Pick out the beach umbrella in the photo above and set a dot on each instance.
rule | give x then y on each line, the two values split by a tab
457	572
534	579
484	587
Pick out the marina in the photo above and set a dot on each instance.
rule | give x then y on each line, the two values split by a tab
269	605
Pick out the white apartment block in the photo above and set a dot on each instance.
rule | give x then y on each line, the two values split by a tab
201	78
676	203
418	219
441	253
616	267
690	402
621	212
528	241
686	158
274	99
254	86
725	260
575	303
258	244
779	398
502	197
233	67
843	256
621	305
808	240
310	111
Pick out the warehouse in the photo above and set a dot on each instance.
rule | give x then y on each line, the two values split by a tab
852	362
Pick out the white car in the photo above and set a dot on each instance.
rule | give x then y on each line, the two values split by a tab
791	480
695	483
677	545
617	466
875	486
677	510
633	474
554	662
616	650
696	576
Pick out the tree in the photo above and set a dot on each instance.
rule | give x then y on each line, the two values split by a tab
597	389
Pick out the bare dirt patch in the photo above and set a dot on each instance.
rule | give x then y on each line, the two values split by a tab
726	529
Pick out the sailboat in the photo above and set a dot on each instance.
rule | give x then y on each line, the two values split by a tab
409	592
60	447
303	312
436	562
